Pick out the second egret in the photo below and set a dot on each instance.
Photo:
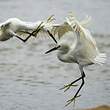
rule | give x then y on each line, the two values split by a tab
76	45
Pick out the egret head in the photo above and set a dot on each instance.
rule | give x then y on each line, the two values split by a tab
5	25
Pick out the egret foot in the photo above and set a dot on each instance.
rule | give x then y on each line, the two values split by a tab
68	86
72	99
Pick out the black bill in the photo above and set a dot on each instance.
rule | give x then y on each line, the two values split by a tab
53	49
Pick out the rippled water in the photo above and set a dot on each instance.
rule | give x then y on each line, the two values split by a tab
30	80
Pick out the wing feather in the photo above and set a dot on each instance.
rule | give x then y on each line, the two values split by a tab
89	47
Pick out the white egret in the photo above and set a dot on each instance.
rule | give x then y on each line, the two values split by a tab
16	27
53	29
76	45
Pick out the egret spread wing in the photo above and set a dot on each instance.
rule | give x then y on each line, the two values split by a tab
61	29
84	33
89	46
86	21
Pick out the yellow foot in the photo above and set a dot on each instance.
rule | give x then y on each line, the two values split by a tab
68	86
72	99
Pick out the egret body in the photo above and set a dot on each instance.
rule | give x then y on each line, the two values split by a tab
76	45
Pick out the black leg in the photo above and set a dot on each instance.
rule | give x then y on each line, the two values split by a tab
76	95
83	75
34	33
36	30
26	32
24	40
66	87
